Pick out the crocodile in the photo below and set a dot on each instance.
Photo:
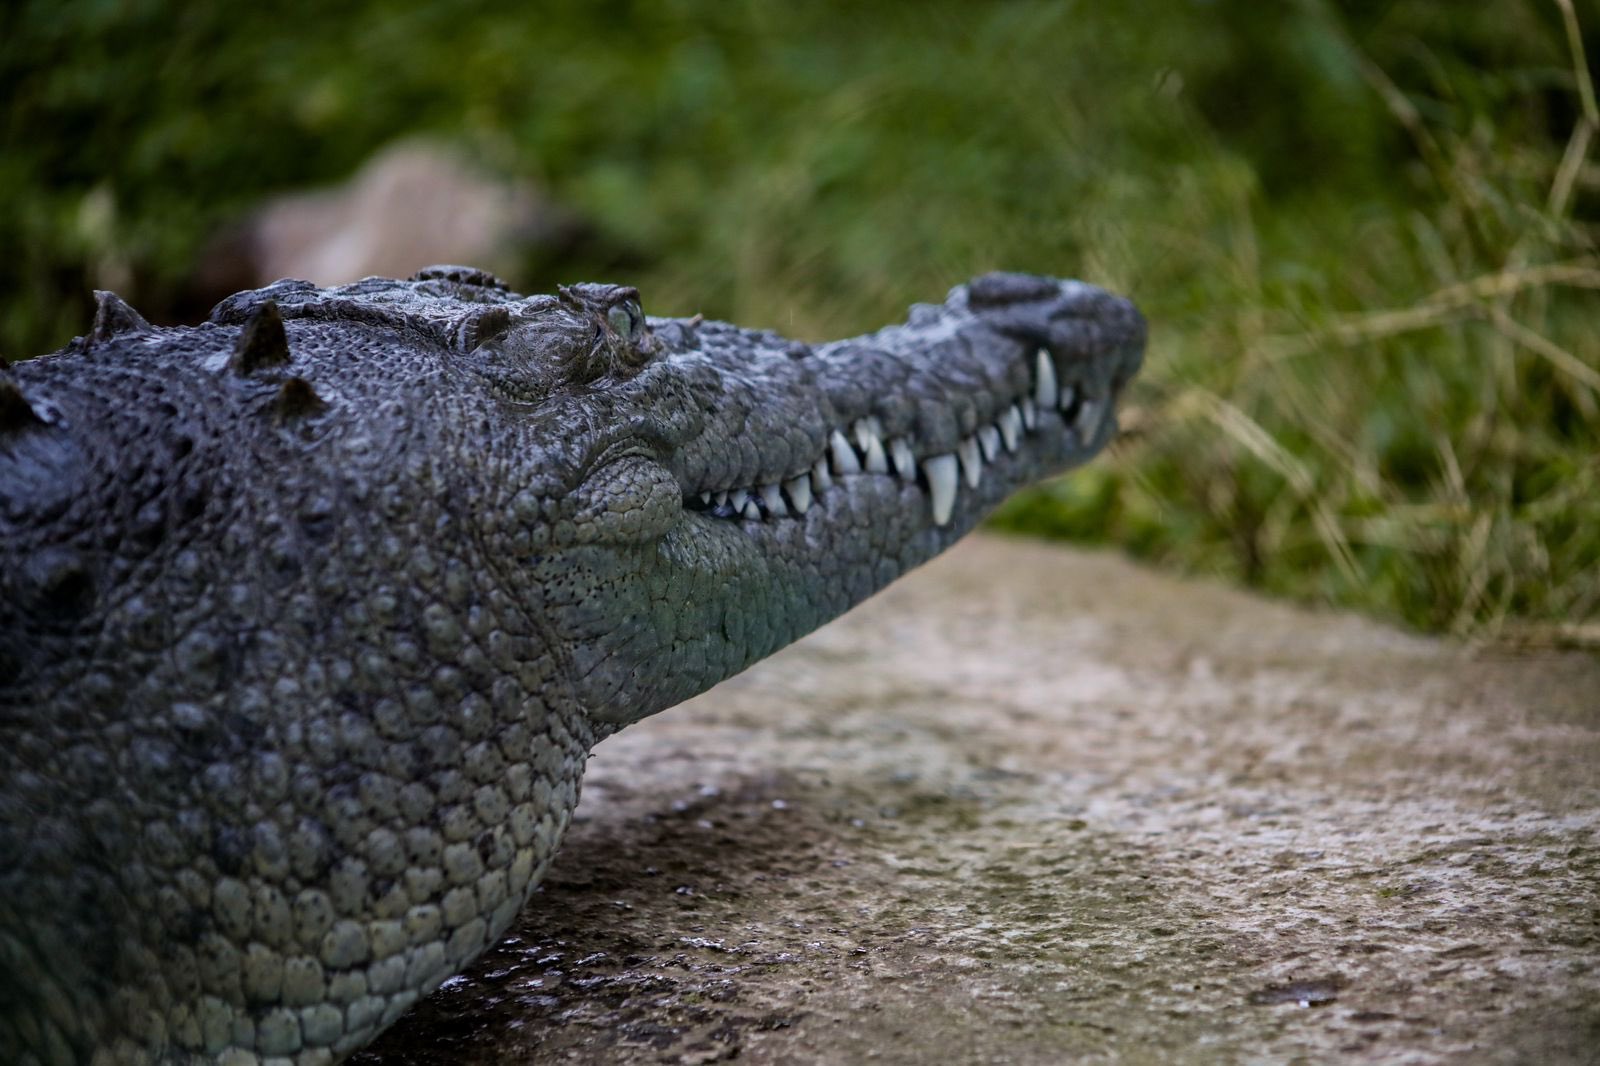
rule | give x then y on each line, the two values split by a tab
311	614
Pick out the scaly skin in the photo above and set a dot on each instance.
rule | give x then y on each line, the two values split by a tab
309	616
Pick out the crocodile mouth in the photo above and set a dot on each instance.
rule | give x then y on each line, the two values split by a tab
1053	408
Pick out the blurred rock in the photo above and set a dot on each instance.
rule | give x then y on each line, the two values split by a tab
416	202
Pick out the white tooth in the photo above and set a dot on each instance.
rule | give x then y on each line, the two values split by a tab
904	463
722	499
844	456
1088	416
1044	385
772	496
868	431
799	490
971	463
1030	414
877	463
821	480
1068	394
1011	428
941	474
750	510
989	442
705	498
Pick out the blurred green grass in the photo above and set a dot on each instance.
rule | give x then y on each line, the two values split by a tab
1364	232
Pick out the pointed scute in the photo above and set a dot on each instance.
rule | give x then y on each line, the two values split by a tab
461	275
262	342
296	399
16	414
113	316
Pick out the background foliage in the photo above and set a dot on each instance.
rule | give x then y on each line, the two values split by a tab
1364	232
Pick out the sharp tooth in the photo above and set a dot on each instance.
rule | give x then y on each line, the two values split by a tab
799	490
1030	414
941	474
1044	385
821	480
1088	416
1011	428
772	496
1068	394
844	456
750	510
877	463
989	442
705	498
722	499
868	431
971	462
905	464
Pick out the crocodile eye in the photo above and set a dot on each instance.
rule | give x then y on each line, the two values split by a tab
626	319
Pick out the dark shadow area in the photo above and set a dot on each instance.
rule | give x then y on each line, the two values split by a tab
605	960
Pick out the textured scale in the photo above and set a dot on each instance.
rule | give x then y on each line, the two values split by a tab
310	615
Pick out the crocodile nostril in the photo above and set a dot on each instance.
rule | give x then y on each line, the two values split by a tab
992	290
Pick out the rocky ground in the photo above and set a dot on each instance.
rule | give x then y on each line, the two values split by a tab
1034	805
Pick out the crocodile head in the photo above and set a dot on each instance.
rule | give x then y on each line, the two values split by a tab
707	494
686	497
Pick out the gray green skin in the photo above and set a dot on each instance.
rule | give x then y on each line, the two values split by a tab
310	615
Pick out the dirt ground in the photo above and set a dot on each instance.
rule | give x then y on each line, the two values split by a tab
1034	805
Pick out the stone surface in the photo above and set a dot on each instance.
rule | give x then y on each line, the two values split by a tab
1033	805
